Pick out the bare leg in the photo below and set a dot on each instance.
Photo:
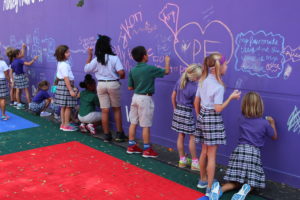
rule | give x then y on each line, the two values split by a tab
132	130
230	186
18	95
48	101
118	118
180	144
2	105
62	115
192	147
67	115
203	163
105	120
211	164
27	95
146	135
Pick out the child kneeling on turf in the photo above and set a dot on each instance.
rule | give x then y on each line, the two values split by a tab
88	115
42	100
245	165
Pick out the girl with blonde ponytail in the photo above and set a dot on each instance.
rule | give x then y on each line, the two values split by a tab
183	121
210	129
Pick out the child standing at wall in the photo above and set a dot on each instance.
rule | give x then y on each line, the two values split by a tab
12	90
248	169
210	127
21	80
141	80
88	115
42	100
4	76
65	96
183	121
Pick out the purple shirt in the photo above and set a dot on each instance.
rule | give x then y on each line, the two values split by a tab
254	131
17	66
186	95
41	96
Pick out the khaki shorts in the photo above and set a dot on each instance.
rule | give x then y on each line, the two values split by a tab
90	118
141	110
109	94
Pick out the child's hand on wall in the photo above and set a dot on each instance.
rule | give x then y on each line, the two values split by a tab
270	120
90	51
236	94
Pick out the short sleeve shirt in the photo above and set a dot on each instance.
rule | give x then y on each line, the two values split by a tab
40	96
142	78
17	66
3	68
64	70
254	131
88	102
105	72
186	95
211	92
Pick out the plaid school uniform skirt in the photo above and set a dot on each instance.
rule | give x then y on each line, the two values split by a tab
37	107
245	166
3	88
21	81
210	128
63	97
183	120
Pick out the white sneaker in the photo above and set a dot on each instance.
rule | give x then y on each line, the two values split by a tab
56	116
195	166
20	106
45	114
241	195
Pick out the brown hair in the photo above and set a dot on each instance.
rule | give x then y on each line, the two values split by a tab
11	53
42	84
213	60
252	105
192	73
60	52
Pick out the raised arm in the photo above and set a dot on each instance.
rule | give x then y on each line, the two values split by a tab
23	49
234	95
90	55
167	65
31	62
272	123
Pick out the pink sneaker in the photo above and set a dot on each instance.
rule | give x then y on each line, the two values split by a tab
91	128
61	127
68	128
82	128
5	117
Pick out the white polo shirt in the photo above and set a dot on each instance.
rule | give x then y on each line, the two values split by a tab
211	92
102	72
64	70
3	68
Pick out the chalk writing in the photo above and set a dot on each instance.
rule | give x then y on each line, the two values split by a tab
192	49
291	54
260	54
293	122
85	43
16	4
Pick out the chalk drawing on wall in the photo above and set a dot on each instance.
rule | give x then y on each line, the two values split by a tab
287	72
85	43
17	4
293	122
193	50
260	54
44	47
291	54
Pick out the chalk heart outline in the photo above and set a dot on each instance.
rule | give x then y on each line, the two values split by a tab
203	31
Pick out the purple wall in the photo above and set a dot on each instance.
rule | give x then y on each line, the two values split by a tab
259	39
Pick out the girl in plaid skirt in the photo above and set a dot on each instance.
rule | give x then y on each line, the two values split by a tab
12	90
245	165
210	127
183	120
4	76
20	78
65	94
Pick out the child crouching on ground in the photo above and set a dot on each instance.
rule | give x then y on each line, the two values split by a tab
88	115
42	100
245	165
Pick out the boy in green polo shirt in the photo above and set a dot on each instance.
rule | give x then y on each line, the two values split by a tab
141	79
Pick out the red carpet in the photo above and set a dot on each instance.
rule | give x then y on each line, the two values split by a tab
75	171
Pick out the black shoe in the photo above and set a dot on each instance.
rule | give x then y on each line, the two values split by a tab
121	137
107	137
